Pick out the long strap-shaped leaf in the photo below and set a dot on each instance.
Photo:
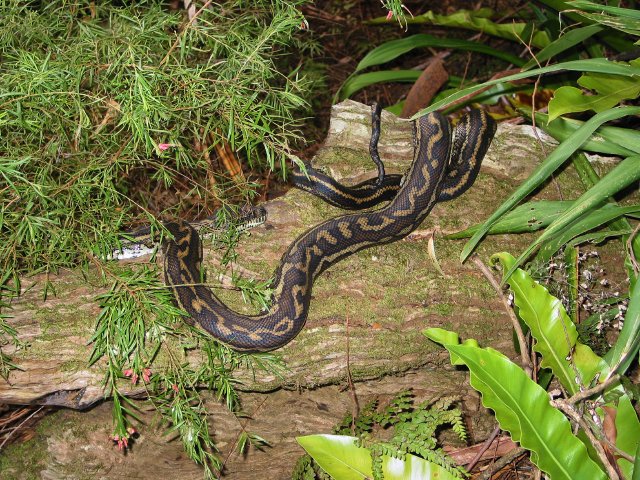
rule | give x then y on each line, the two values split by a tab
624	174
599	65
522	408
626	348
547	167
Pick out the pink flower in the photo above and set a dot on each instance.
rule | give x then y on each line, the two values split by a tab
123	443
165	146
128	372
146	375
389	15
175	388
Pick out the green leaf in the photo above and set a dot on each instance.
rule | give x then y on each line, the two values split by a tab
608	140
358	82
546	168
606	91
599	7
339	456
568	40
588	221
613	38
522	408
555	334
391	50
628	433
447	337
625	350
528	217
623	175
478	20
599	65
623	19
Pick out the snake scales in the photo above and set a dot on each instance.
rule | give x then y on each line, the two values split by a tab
432	177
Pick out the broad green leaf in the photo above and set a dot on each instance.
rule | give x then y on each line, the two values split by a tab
599	65
358	82
546	168
555	334
599	236
623	175
568	40
533	216
339	456
625	350
447	337
606	91
522	408
478	20
528	217
391	50
608	140
628	433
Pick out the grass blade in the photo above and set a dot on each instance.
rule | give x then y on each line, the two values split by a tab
623	175
358	82
599	65
546	168
625	350
391	50
565	42
623	142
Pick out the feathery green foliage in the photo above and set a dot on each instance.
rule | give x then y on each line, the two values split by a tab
414	433
103	104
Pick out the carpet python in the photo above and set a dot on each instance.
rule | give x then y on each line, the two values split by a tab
444	166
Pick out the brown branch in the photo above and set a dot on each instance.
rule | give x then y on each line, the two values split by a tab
524	358
485	446
503	462
570	411
584	394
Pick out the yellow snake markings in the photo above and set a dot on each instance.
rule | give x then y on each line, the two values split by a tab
429	180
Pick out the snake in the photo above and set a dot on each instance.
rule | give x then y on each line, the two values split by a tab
144	240
436	174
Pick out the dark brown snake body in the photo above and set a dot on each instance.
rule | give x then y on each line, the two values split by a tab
331	241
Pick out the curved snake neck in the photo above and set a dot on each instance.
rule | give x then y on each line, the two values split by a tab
315	250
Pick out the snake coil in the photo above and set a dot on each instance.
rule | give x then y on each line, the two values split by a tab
430	179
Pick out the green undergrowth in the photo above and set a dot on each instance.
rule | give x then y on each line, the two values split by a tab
108	114
397	429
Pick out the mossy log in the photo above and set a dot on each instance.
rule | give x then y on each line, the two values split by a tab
387	294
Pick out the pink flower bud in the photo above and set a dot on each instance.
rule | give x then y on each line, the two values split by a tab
389	15
164	146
